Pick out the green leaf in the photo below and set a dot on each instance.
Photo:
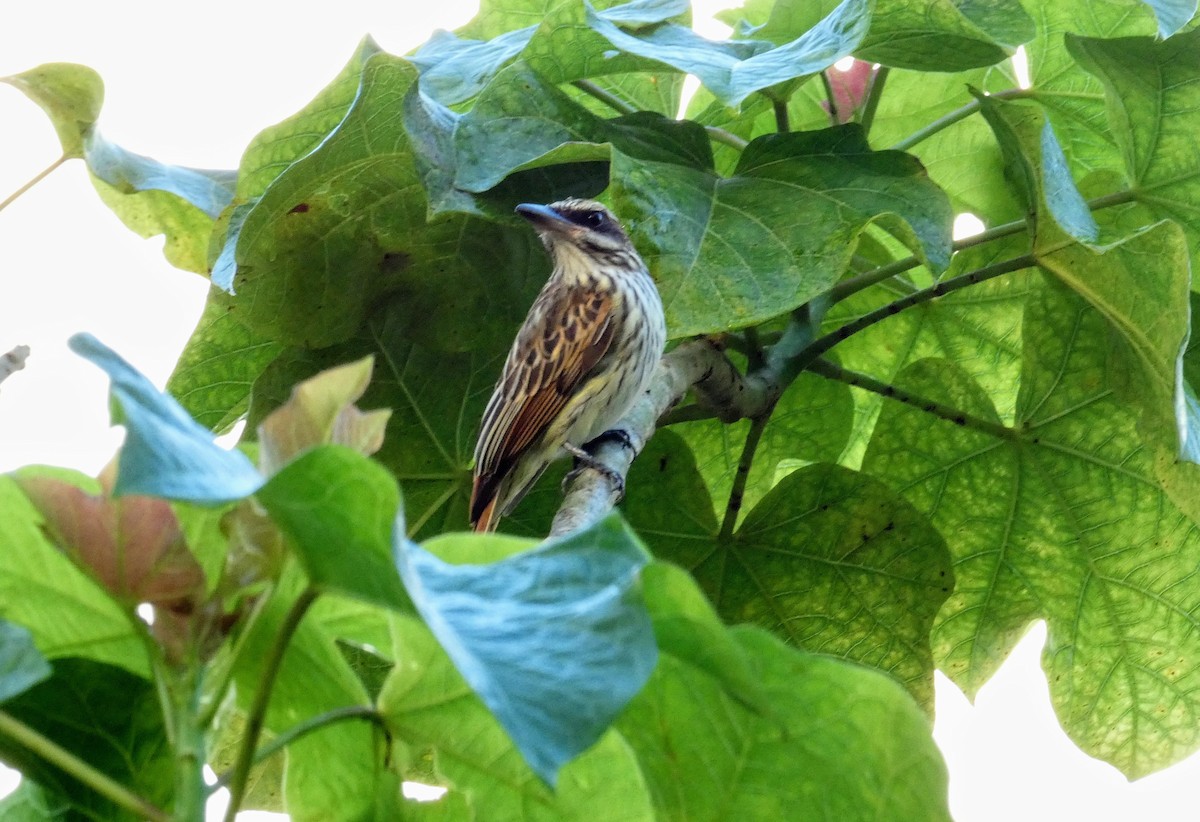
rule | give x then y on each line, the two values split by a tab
428	707
830	560
21	666
943	35
166	454
1037	168
819	754
67	613
1065	521
554	640
214	374
338	507
723	262
733	70
70	94
1141	286
108	717
276	147
1152	89
543	126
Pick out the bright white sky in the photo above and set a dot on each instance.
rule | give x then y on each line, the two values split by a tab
192	88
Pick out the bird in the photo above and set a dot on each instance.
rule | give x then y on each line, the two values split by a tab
587	348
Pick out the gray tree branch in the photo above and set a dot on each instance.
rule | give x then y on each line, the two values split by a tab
13	361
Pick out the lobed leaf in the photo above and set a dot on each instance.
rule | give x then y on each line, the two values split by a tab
723	261
1062	520
819	754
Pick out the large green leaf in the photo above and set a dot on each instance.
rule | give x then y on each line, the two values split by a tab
1062	520
428	707
827	558
1153	90
30	802
1073	100
70	94
723	261
108	717
214	374
1141	286
840	743
437	400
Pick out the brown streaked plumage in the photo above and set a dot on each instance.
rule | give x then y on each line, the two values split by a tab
587	348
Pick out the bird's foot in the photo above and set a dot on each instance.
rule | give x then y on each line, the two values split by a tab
585	460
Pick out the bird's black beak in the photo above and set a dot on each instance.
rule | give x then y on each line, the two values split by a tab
545	218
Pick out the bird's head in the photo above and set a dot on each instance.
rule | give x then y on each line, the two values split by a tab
581	225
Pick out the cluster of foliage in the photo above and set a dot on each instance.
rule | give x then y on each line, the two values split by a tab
972	435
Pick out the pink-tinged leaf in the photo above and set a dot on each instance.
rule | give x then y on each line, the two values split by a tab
321	411
133	546
849	88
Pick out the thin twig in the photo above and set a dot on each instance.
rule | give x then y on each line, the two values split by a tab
953	117
819	346
738	492
604	96
262	698
37	178
834	114
833	371
873	95
303	729
720	135
98	781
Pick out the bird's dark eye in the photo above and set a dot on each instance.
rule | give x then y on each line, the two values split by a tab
594	219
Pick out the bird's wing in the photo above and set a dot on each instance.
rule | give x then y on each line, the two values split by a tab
567	333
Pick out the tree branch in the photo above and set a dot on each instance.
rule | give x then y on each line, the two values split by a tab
37	178
833	371
13	361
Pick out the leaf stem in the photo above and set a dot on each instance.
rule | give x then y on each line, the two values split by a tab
834	114
720	135
833	371
782	124
873	95
738	493
262	698
953	117
303	729
189	744
37	178
852	285
604	96
98	781
822	344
